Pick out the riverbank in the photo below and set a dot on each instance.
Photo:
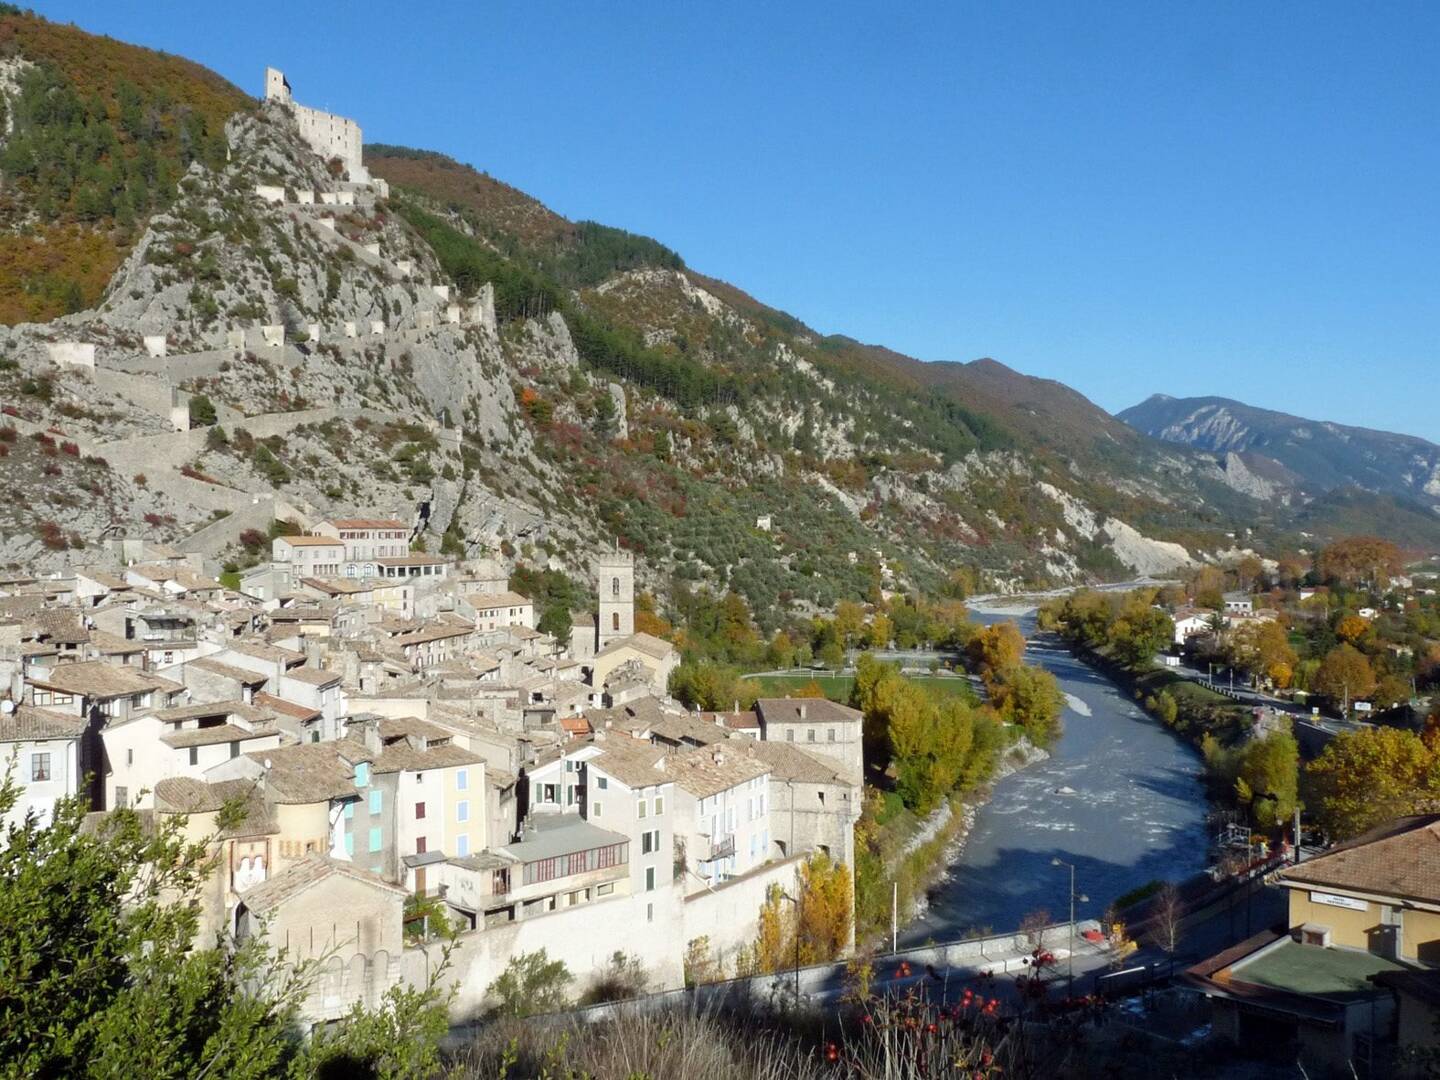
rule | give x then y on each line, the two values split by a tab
942	838
1119	798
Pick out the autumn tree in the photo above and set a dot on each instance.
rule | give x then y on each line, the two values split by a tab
880	631
826	902
1345	674
1207	587
849	621
1268	780
1364	778
1352	629
1366	561
1030	696
997	649
1139	633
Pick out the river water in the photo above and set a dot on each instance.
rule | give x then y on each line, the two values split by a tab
1120	797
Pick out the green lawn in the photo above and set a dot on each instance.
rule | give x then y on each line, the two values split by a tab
837	687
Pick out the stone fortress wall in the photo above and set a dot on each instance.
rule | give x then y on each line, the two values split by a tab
329	135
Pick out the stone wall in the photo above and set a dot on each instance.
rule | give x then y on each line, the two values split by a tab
585	937
728	913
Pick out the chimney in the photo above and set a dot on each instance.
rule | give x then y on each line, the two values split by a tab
802	710
719	757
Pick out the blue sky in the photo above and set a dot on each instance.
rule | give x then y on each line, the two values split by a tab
1236	199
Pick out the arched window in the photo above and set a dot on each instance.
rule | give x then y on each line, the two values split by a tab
615	620
614	586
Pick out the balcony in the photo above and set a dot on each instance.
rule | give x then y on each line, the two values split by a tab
713	849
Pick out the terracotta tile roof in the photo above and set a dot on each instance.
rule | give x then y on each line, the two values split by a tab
575	725
312	541
312	772
286	708
433	633
744	720
402	757
114	645
497	600
263	650
788	761
1400	859
648	644
186	795
95	678
631	761
314	676
709	770
229	671
413	560
309	871
213	708
28	724
218	733
805	711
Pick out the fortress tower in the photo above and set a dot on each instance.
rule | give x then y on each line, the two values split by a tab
615	585
328	135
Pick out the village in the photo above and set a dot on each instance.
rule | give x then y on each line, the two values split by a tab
413	736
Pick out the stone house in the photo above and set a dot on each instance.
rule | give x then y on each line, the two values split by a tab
41	748
820	726
722	811
184	741
309	556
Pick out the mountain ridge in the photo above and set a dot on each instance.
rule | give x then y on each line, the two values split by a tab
1319	456
439	345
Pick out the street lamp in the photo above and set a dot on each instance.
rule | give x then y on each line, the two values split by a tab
799	914
1070	960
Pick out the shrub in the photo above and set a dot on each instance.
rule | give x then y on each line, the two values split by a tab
531	983
202	411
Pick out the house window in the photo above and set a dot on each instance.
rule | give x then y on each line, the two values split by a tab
362	774
419	811
376	840
810	734
830	735
462	810
640	808
650	842
659	805
462	845
130	756
594	809
421	843
605	890
194	755
789	734
615	586
602	783
349	843
122	796
650	879
462	779
376	801
615	620
549	793
234	748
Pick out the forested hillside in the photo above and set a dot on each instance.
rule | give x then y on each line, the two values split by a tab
97	135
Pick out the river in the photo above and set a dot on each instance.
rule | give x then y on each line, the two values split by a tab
1120	797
